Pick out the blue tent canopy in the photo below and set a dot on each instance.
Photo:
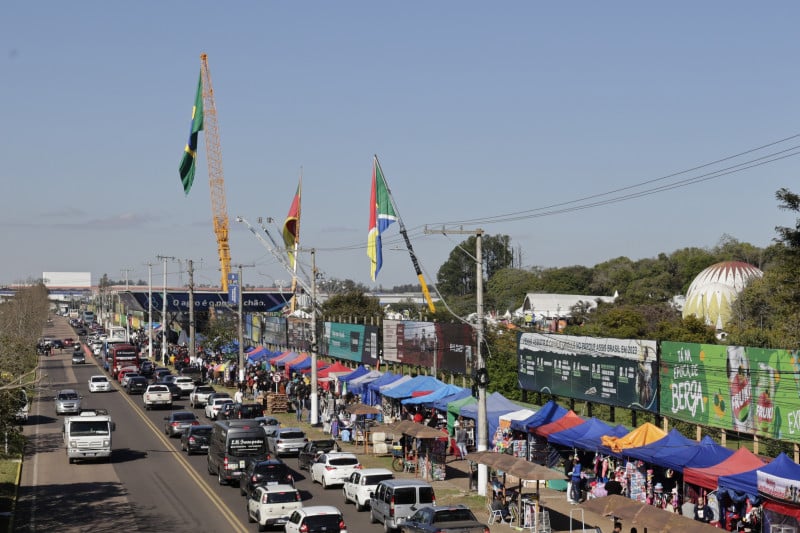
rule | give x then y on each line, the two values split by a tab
357	373
302	365
441	404
428	399
568	437
550	412
496	406
419	383
677	452
745	484
373	395
592	442
359	385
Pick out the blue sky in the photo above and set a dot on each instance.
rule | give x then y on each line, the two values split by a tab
475	110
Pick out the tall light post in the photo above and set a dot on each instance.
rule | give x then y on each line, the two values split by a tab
314	380
150	310
164	311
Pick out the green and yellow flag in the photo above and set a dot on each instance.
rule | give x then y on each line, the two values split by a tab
187	167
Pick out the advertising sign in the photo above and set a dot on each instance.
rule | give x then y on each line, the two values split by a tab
252	302
415	343
353	342
619	372
750	390
299	332
273	330
778	488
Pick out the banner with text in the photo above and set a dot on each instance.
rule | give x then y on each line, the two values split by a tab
353	342
415	343
751	390
619	372
299	333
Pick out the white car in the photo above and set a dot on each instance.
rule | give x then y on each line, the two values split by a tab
127	377
316	519
272	505
185	383
334	468
99	384
358	488
212	408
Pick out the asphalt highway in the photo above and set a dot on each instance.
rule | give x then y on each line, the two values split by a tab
148	485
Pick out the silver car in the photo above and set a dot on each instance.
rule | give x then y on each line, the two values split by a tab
287	440
68	402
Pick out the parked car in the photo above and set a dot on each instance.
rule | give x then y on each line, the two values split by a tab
99	384
308	455
395	500
361	484
68	402
78	357
272	505
269	472
316	519
177	422
333	468
136	385
185	383
286	440
455	519
199	395
194	439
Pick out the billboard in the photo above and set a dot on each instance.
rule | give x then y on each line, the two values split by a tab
299	333
415	343
619	372
353	342
749	390
252	302
273	330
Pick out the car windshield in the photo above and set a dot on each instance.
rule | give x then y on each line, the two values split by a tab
202	432
327	522
83	428
453	515
343	461
68	396
100	379
377	478
281	497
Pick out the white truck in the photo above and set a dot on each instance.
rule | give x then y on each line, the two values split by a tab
88	435
157	395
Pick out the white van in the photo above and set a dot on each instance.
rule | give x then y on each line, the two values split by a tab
24	406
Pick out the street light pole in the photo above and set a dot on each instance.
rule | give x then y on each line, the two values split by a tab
164	311
150	310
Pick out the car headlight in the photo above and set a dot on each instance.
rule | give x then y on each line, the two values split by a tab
73	444
106	443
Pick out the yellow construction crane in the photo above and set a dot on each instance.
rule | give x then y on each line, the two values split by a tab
216	177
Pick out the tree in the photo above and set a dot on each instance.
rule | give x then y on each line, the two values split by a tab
506	289
457	275
501	362
221	331
353	305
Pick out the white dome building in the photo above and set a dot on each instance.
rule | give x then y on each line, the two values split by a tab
714	290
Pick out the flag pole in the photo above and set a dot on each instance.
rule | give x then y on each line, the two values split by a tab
404	233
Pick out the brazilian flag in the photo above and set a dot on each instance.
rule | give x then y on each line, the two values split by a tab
190	152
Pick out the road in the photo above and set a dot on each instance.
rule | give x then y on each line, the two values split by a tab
148	485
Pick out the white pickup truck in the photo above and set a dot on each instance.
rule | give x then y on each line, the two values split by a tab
199	395
88	435
157	395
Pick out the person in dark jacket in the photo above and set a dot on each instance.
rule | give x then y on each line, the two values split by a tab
702	512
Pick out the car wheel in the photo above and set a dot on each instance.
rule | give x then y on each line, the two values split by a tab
220	479
386	528
208	466
372	519
249	516
360	507
324	483
241	490
71	460
344	493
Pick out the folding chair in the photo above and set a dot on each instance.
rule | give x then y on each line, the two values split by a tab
496	516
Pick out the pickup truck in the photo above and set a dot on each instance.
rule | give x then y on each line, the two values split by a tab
156	395
444	519
199	395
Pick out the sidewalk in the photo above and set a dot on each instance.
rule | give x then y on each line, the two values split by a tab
458	479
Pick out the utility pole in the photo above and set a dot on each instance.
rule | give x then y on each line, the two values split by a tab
481	376
164	310
314	380
127	321
150	310
241	321
191	311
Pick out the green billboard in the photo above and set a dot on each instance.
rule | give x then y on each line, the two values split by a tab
749	390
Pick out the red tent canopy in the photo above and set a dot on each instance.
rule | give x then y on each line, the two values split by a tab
567	421
320	366
335	367
418	393
299	359
741	461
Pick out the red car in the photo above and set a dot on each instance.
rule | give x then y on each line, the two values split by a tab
69	342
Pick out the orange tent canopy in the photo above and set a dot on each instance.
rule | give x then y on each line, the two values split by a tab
567	421
644	434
